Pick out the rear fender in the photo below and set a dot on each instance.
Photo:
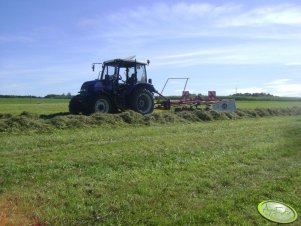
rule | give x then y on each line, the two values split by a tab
147	86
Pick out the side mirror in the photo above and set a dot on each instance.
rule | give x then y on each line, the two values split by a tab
150	81
93	67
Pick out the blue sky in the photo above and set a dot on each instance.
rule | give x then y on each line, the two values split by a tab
47	47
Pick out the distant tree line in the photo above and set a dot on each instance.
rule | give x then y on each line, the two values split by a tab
50	96
16	96
261	96
59	96
253	95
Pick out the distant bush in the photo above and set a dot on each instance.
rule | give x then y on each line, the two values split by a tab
59	96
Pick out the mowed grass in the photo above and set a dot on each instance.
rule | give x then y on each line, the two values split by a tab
34	105
178	174
267	104
50	106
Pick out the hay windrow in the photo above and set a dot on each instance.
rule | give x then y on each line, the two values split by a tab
5	115
189	116
30	122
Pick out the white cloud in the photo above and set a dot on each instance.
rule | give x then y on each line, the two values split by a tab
186	29
193	19
278	82
284	87
170	13
279	87
234	54
285	14
166	21
293	63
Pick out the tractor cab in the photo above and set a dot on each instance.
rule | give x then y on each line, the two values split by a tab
124	71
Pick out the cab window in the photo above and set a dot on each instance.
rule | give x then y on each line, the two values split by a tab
110	71
141	73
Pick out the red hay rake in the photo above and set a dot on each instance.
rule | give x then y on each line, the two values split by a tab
188	102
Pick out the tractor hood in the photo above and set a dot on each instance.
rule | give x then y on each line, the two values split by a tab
94	86
86	86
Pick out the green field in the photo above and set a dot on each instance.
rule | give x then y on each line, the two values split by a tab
267	104
34	105
179	174
50	106
67	171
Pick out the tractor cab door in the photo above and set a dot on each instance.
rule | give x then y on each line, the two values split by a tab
131	79
123	71
109	75
109	72
137	74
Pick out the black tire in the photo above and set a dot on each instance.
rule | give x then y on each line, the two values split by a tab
142	101
74	105
102	104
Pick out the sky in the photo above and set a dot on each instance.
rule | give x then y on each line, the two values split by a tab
47	47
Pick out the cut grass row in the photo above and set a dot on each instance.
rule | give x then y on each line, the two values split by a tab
29	122
177	174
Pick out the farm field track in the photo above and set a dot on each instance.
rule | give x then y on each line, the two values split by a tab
50	106
174	174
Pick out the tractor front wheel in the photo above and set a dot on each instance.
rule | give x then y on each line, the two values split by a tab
142	101
103	105
75	105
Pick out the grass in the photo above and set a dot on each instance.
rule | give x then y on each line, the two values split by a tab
175	174
267	104
159	169
34	105
30	122
50	106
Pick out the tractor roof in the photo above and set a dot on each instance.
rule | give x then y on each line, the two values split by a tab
123	62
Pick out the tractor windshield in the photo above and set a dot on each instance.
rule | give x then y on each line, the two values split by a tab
128	72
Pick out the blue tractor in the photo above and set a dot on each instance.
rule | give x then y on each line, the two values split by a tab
122	85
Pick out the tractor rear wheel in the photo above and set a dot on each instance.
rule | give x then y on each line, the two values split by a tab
142	101
103	105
